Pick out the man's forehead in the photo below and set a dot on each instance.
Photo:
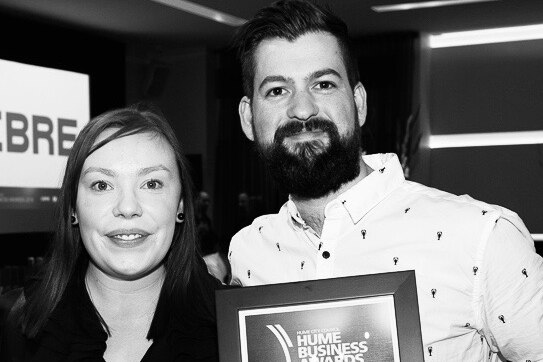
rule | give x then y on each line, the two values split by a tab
307	53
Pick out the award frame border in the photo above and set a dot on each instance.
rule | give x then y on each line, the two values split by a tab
400	285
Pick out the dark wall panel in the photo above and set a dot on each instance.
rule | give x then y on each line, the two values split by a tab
508	176
490	88
487	88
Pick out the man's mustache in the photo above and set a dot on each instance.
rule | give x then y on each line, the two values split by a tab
294	127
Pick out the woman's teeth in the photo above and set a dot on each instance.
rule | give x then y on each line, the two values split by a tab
127	237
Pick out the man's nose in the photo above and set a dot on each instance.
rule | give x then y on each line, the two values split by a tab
302	106
127	205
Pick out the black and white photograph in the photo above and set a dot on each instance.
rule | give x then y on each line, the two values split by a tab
200	180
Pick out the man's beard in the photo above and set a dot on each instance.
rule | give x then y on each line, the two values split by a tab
313	169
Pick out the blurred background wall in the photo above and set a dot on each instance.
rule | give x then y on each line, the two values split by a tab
489	88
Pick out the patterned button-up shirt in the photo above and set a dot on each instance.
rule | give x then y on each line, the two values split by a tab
479	279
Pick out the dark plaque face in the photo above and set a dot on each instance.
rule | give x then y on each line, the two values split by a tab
351	330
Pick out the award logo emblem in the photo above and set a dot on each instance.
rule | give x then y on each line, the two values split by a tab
283	338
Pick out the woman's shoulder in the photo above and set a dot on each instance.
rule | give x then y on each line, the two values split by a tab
8	300
11	337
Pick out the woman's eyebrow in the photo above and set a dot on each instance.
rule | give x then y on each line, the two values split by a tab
111	173
105	171
147	170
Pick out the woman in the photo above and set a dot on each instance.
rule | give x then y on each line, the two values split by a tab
124	281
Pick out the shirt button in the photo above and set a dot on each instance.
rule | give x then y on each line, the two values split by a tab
325	254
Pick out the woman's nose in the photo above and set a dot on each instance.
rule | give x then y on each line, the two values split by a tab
127	205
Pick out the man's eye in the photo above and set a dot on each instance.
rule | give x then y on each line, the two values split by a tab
100	186
153	185
325	85
274	92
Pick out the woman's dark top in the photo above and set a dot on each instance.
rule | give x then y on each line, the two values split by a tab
74	332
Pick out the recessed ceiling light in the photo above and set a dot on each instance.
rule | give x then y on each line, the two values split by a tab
486	36
486	139
423	4
203	11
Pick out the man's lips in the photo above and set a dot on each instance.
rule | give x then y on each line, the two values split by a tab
295	131
306	135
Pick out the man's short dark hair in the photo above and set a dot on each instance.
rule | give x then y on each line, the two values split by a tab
290	19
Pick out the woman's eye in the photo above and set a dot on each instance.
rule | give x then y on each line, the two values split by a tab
100	186
153	184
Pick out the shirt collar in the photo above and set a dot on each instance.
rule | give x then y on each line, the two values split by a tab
293	212
368	192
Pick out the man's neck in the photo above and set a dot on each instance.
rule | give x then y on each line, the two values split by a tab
312	210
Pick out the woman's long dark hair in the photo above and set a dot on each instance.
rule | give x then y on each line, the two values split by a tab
67	254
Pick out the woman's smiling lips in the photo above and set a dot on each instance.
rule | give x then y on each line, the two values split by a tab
127	238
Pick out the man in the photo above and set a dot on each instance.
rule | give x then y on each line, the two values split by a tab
479	280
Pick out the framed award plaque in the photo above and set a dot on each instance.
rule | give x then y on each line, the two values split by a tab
366	318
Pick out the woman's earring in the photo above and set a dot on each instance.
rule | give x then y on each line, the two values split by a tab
180	217
74	220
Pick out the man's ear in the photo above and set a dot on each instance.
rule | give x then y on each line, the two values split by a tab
246	117
360	102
